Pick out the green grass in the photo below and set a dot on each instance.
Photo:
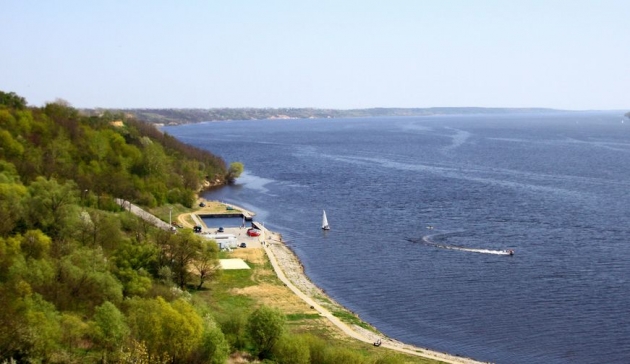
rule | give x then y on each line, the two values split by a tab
323	299
303	316
237	278
163	212
352	319
219	295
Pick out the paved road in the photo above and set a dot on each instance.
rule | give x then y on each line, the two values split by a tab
142	214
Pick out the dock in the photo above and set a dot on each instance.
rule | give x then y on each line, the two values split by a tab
230	211
247	216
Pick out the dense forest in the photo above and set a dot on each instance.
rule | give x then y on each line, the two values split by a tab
107	155
82	280
184	116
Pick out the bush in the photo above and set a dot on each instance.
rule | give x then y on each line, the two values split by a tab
234	327
265	327
338	355
291	350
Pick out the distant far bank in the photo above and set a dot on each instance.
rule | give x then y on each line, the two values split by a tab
188	116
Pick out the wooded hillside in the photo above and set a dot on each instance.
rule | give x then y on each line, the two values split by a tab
106	154
81	280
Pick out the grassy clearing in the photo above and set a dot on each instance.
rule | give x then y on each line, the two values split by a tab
237	278
163	212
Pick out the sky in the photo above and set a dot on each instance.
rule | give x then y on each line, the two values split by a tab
343	54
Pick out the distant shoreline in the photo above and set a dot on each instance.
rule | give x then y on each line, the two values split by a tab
176	116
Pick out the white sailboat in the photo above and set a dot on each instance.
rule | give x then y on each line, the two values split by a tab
325	225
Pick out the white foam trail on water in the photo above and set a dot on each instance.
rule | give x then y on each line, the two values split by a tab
427	241
483	251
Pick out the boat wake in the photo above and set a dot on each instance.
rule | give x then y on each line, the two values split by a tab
426	240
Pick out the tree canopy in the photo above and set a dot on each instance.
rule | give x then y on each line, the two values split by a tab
81	280
107	154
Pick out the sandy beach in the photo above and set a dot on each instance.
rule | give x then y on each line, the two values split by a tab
291	272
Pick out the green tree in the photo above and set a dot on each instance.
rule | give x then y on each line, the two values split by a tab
265	327
179	251
235	170
83	281
97	228
167	330
207	261
291	350
9	252
59	157
318	348
133	261
12	100
35	245
234	327
110	329
9	147
50	205
214	347
74	331
12	192
345	356
30	329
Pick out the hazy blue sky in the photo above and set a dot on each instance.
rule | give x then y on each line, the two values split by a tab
569	54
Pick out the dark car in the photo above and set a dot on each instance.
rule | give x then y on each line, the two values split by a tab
243	245
202	204
197	229
221	229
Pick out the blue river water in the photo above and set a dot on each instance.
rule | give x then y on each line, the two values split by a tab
553	187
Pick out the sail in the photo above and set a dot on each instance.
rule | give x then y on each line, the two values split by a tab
325	222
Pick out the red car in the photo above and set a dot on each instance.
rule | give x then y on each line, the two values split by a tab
253	232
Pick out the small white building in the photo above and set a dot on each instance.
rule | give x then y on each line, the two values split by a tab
224	241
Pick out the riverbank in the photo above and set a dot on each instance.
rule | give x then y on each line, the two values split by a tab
291	272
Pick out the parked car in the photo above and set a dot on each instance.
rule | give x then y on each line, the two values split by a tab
202	204
197	229
220	229
253	232
243	245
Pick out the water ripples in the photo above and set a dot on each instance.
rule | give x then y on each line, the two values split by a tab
552	190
